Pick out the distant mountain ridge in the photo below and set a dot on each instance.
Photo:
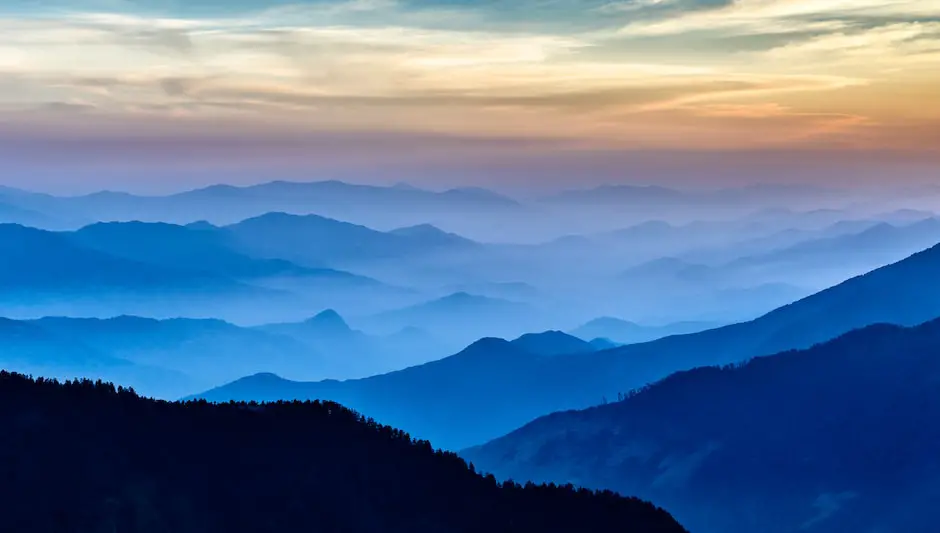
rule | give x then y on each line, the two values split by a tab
876	244
623	194
626	332
201	353
460	315
552	343
496	387
40	261
226	204
284	236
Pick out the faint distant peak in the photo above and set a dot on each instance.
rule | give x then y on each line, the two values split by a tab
928	223
881	229
135	226
487	346
220	187
463	297
479	194
472	190
280	217
106	194
430	231
654	224
550	335
612	321
10	190
648	228
201	225
571	239
420	229
619	192
404	186
669	266
329	319
603	343
552	343
261	378
657	189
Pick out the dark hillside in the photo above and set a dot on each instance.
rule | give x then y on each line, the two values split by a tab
86	458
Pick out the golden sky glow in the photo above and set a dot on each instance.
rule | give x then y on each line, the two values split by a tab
672	74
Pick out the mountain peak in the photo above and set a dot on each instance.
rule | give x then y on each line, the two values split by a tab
487	345
329	319
551	343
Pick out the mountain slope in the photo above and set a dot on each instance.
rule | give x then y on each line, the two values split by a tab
227	204
37	260
461	316
840	437
551	343
627	332
875	245
510	387
32	349
425	398
93	458
315	241
165	270
178	247
354	354
207	351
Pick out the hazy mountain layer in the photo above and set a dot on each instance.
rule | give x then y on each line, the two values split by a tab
198	354
494	387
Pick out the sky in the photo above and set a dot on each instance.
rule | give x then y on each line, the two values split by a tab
159	93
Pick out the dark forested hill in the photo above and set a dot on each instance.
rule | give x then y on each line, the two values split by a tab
843	437
87	457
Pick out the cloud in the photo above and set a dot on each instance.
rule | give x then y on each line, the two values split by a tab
782	16
891	45
533	69
660	8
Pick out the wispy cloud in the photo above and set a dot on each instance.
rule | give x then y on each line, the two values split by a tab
597	71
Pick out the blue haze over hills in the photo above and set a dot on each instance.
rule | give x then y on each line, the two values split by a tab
574	337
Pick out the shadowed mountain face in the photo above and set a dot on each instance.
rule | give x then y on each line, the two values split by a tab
840	437
494	387
141	466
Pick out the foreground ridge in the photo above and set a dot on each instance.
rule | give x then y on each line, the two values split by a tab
89	456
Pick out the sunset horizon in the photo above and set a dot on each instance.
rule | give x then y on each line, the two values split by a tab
316	86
